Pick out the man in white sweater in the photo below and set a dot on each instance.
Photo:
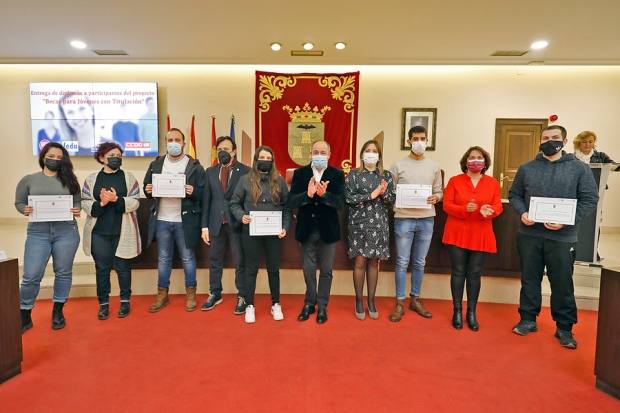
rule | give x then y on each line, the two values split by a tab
414	226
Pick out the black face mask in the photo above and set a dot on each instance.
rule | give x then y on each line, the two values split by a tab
224	157
114	162
52	164
550	148
264	166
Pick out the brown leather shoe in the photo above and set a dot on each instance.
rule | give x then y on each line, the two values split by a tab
417	306
190	297
161	301
398	312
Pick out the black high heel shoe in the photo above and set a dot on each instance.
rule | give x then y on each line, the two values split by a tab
457	317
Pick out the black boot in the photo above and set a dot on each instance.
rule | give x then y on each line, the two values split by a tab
58	319
104	311
26	320
457	317
124	310
472	323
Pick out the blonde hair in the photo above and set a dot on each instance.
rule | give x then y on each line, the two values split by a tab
582	137
379	163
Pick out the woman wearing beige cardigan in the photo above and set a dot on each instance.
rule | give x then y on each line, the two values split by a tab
110	199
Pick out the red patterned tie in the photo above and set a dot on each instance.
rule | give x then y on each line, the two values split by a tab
224	176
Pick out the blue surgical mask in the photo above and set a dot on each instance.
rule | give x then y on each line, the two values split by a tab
174	149
319	161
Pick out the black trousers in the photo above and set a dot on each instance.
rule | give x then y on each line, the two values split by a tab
326	252
252	246
217	250
558	257
103	248
466	268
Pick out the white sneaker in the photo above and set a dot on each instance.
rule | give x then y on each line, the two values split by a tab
276	310
249	314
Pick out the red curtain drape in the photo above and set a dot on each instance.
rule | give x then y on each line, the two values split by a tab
333	95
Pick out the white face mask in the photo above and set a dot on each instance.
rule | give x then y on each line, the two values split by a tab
174	148
418	147
370	158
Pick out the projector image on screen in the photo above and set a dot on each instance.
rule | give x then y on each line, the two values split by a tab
81	116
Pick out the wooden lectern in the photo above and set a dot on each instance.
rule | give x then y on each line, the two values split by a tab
607	357
589	227
11	355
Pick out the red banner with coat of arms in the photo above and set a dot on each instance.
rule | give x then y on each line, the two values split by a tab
295	110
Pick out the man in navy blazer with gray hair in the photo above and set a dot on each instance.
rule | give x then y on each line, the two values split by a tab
219	225
318	190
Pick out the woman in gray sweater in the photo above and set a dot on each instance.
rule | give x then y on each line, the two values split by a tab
262	189
57	239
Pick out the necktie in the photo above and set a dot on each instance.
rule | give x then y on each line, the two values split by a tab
224	176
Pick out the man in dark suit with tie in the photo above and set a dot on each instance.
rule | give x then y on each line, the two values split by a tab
318	191
219	225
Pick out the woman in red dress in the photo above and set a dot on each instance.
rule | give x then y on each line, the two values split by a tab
471	200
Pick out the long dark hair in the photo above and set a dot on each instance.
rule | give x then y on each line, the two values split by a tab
65	175
254	177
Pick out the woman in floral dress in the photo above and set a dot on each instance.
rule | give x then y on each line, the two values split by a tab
370	193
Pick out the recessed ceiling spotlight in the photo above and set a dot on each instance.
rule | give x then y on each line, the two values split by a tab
308	46
78	44
540	44
276	46
340	45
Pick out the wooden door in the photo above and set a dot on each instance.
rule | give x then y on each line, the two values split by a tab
516	142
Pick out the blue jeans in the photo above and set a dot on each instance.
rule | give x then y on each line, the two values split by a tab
419	233
59	240
169	233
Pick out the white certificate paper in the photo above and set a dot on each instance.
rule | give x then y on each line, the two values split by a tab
47	208
553	210
169	185
413	196
265	222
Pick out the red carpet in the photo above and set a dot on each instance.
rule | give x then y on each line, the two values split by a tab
214	362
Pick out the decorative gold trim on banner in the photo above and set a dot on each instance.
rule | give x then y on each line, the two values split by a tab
346	165
342	88
272	88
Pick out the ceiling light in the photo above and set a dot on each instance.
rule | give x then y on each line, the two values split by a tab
78	44
539	45
340	45
308	46
276	46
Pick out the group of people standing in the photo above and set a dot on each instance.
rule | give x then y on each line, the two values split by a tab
217	209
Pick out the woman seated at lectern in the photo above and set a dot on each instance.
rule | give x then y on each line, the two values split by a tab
471	200
45	239
110	198
585	150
